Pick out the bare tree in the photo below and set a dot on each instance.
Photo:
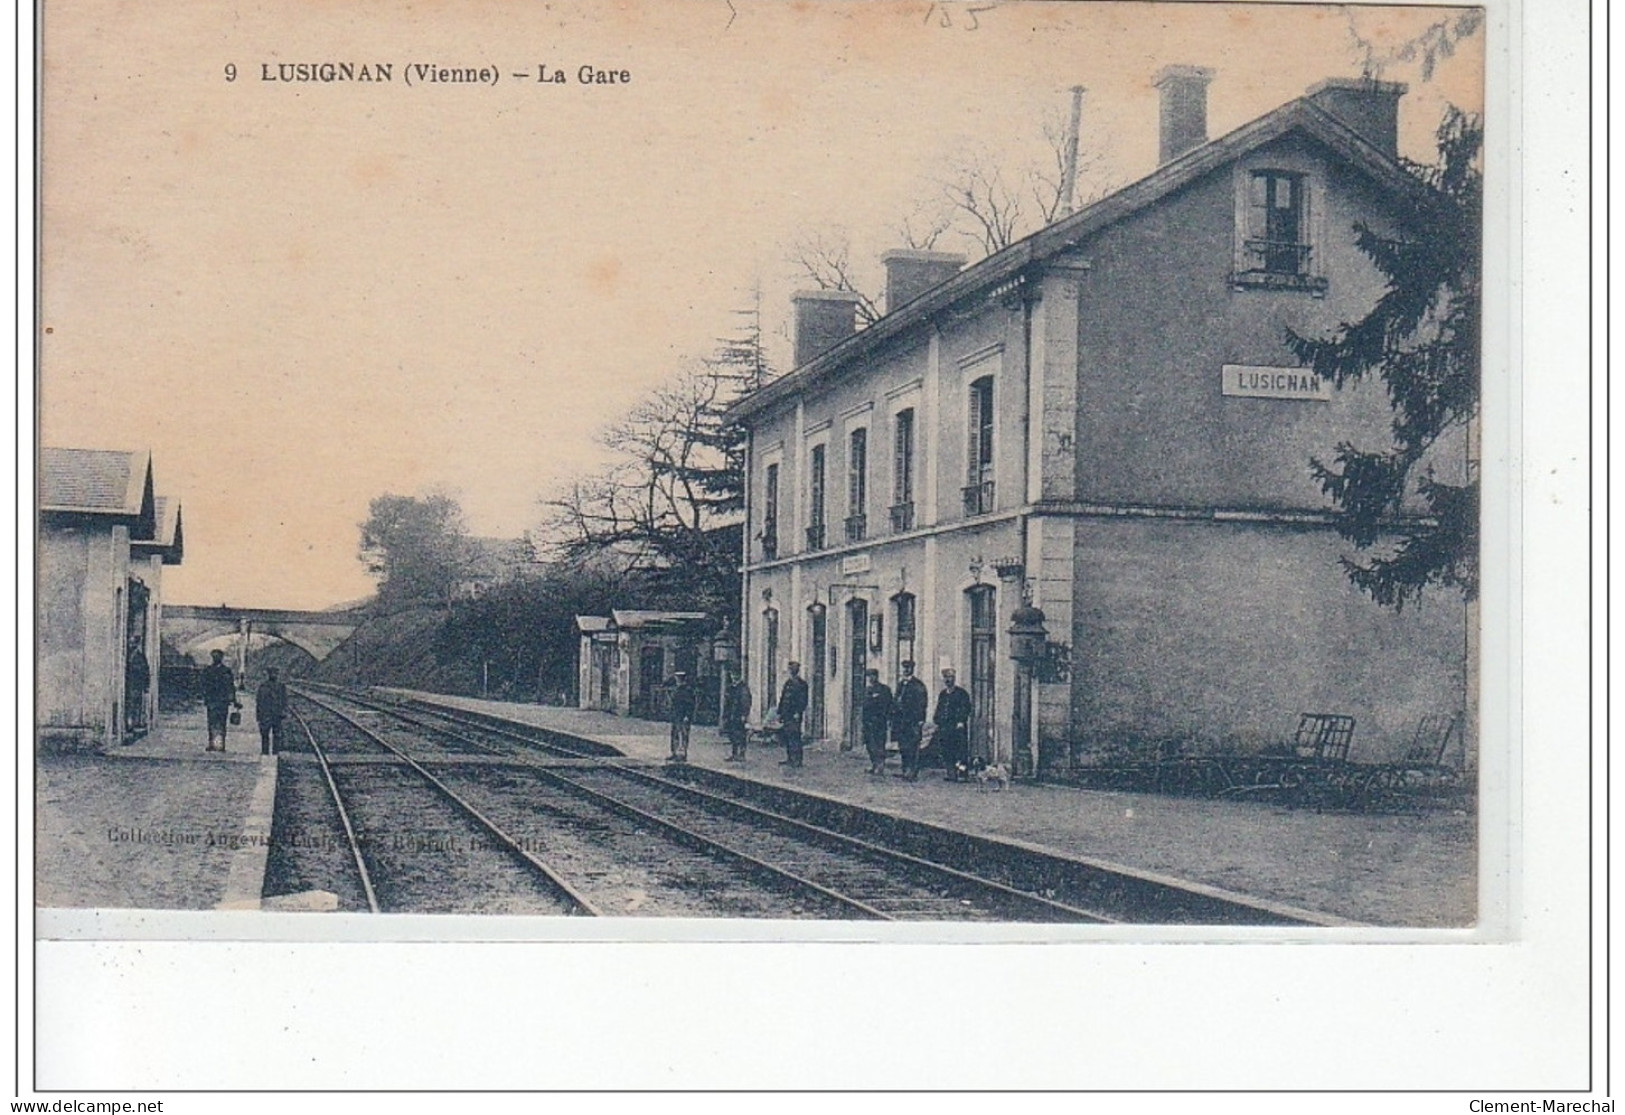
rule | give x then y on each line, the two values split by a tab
1435	43
978	200
668	508
993	208
825	258
987	208
923	226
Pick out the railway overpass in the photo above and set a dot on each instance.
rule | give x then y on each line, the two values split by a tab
186	627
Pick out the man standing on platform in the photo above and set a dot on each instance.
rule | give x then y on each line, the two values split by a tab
735	717
877	709
952	719
908	718
792	706
219	694
270	706
682	716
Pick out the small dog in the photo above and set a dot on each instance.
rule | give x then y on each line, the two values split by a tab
993	775
984	773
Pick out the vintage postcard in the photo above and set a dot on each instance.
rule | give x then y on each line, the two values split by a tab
993	464
904	472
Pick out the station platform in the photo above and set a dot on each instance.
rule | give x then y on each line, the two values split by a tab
159	823
1379	869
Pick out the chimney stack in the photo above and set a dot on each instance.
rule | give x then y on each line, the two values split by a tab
1368	107
824	318
910	273
1184	108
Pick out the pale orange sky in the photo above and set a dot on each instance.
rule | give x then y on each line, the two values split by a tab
300	296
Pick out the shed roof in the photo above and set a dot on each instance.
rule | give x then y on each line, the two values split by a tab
635	618
99	482
592	625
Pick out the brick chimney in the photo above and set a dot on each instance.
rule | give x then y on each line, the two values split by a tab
824	318
1184	108
1370	108
911	273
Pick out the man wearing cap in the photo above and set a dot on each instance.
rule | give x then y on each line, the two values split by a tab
792	706
682	716
219	690
736	717
908	718
876	715
270	706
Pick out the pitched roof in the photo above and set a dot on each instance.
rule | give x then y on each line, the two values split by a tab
1300	115
168	539
107	482
95	480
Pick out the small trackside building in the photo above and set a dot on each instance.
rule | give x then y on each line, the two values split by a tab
1106	418
104	540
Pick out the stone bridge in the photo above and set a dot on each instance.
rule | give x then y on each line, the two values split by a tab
186	627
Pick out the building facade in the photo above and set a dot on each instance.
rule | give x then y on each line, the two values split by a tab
1105	418
104	539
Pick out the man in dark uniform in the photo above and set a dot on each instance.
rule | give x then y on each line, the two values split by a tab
908	717
735	717
219	689
792	706
877	708
952	719
682	716
270	706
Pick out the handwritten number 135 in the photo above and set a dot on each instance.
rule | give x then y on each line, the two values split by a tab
945	17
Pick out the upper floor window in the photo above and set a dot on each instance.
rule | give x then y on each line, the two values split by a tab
815	499
857	484
1275	244
1276	237
902	511
978	490
770	513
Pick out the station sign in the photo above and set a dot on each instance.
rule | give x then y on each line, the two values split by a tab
855	563
1253	382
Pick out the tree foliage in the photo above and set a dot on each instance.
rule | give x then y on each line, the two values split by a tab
519	638
1422	340
417	547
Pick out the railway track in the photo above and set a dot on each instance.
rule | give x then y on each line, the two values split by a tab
664	822
1092	891
451	857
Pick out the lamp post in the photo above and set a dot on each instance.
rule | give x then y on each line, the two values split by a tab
725	653
1027	639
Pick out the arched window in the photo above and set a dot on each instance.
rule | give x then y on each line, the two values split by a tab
903	623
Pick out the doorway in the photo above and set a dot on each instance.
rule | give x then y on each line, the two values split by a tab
857	614
983	645
816	673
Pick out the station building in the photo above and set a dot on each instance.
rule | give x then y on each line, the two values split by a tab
1105	418
104	540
